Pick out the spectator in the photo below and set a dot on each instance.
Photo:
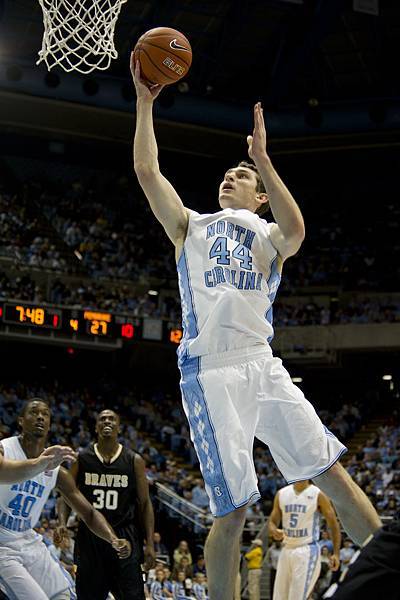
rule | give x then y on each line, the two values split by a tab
182	551
346	554
199	588
200	566
254	558
156	586
326	541
159	548
167	583
180	587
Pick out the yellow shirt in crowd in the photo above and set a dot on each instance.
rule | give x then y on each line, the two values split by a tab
254	558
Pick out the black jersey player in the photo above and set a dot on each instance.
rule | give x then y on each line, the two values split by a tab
113	479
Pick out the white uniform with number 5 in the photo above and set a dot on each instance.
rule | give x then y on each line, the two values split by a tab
27	569
299	562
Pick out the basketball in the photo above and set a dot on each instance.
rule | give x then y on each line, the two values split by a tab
164	54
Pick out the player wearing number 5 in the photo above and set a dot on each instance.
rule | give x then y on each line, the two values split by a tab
298	508
113	480
27	569
233	388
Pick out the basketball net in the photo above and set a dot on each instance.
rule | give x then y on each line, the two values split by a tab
79	34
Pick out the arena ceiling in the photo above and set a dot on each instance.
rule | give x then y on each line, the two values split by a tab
282	51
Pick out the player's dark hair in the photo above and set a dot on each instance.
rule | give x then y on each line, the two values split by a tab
260	188
28	402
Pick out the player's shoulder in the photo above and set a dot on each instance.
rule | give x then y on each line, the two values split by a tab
85	453
8	442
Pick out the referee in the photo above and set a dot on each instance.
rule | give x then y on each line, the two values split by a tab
113	480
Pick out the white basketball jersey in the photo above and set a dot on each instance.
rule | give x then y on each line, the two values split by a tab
22	503
300	516
229	273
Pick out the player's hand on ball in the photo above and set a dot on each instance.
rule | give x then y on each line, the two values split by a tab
55	455
123	548
149	558
334	562
144	90
60	534
257	143
277	534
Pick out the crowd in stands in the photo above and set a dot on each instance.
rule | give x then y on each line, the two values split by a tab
22	237
114	234
100	219
120	298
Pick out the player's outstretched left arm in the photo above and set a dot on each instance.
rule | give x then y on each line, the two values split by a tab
288	233
91	517
326	509
15	471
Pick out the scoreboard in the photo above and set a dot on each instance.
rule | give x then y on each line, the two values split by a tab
82	327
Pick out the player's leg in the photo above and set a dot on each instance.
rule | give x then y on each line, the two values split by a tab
219	402
304	449
93	558
358	516
47	571
220	551
15	579
283	575
305	570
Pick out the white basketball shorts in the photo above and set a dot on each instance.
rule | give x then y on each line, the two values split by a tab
233	397
28	571
297	573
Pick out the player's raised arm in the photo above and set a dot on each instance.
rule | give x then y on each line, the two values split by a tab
91	517
163	199
326	509
15	471
288	233
275	519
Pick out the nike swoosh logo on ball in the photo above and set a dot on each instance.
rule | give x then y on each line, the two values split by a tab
175	46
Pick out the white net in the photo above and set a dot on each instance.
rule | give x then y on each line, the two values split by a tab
79	34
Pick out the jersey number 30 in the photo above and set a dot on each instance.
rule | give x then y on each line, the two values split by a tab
105	499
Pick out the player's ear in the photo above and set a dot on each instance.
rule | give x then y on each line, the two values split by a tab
20	421
262	198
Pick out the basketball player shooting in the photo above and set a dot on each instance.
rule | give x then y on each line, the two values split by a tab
233	388
298	508
27	569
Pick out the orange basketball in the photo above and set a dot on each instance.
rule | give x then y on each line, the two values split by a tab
164	54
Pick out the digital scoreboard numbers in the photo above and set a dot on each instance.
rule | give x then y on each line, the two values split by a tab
28	315
74	325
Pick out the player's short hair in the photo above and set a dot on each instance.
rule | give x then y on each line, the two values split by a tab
28	402
260	188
